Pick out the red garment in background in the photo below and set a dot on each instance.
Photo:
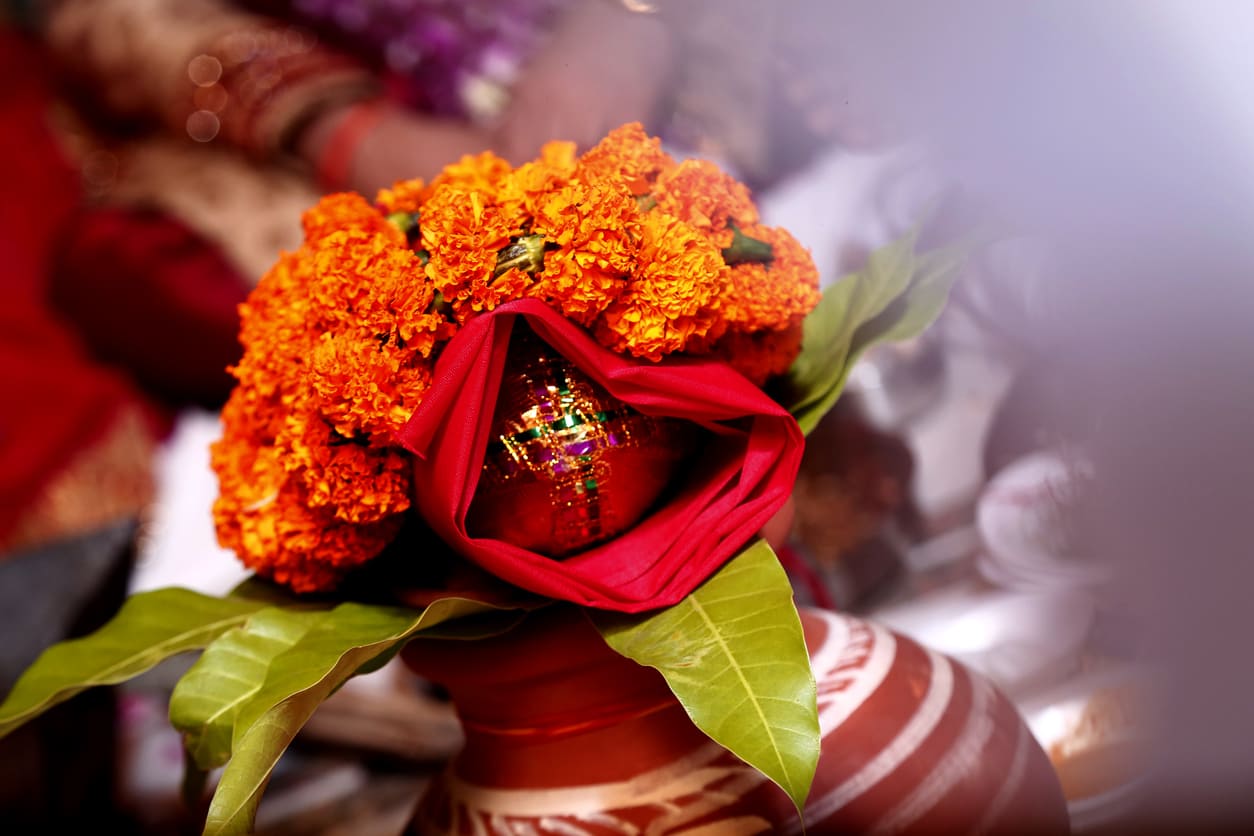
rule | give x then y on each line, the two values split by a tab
56	399
103	308
151	296
41	186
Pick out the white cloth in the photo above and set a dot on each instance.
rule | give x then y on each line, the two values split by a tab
178	546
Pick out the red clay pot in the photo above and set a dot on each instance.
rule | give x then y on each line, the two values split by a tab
565	736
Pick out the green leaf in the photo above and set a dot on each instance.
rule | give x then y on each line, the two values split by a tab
895	297
256	588
734	654
147	629
299	679
205	702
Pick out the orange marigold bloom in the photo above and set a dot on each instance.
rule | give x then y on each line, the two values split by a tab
559	157
674	297
482	172
277	306
370	323
531	183
512	284
347	212
341	337
464	231
264	518
404	196
365	385
775	295
762	355
627	154
592	232
336	339
700	194
357	278
357	482
275	336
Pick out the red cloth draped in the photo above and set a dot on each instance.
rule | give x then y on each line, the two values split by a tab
746	474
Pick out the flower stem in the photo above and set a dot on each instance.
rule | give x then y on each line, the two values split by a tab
404	221
526	253
408	223
746	250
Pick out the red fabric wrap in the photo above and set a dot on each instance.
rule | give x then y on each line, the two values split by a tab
745	475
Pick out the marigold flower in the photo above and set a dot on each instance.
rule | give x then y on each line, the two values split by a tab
482	173
703	196
593	231
674	296
365	385
357	482
630	155
463	231
369	308
761	355
264	517
341	338
405	196
531	183
347	212
774	295
274	333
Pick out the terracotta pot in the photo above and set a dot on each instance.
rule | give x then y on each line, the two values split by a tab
565	736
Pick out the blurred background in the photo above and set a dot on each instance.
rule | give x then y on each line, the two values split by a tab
1051	484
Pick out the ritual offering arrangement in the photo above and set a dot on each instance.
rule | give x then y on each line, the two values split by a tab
521	427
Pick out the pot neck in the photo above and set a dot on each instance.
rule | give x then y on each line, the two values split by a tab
548	688
552	668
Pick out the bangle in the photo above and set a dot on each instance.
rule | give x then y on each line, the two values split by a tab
335	162
639	6
254	83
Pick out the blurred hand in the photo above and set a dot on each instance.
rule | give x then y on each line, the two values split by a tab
403	145
376	145
603	66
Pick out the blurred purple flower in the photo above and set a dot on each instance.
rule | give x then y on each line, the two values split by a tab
441	50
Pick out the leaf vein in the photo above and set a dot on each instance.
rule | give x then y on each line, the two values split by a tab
735	663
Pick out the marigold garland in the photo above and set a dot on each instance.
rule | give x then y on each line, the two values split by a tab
653	257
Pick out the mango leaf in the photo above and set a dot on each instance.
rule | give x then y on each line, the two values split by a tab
147	629
299	679
480	625
230	672
734	654
256	588
204	704
895	297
